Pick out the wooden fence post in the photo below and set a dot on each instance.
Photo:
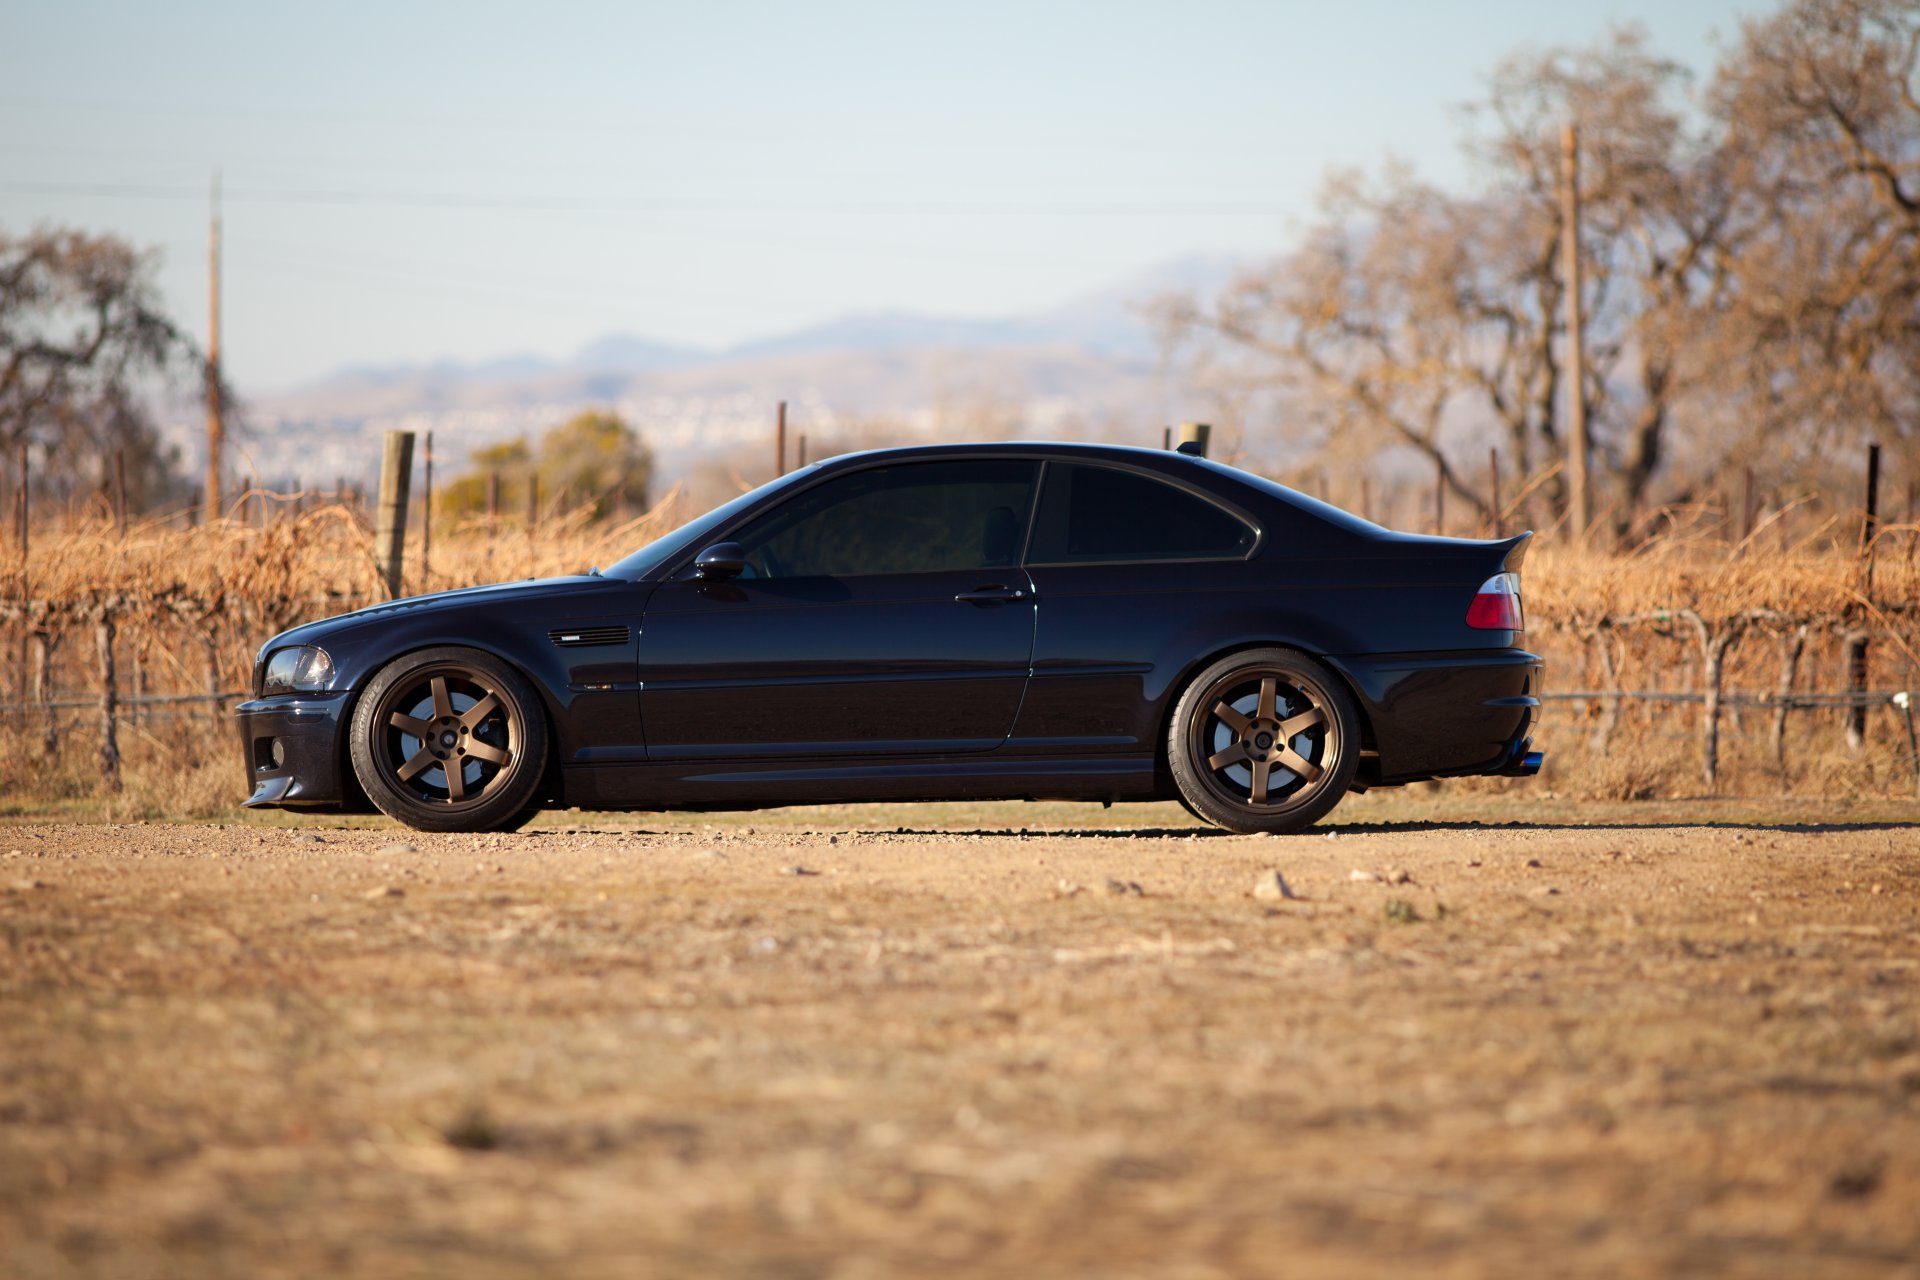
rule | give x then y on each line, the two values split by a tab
43	691
1869	525
21	509
390	534
1602	735
1493	488
109	703
1791	648
1746	508
1855	653
426	521
120	492
22	531
1857	642
211	645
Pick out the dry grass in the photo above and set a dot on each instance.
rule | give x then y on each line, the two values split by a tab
1573	589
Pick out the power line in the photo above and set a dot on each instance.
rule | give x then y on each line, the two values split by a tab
578	204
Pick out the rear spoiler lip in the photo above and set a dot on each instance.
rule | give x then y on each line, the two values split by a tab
1516	551
1505	554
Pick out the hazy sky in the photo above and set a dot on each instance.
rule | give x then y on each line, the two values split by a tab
409	181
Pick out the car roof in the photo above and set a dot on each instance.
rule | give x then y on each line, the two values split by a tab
1013	448
1222	479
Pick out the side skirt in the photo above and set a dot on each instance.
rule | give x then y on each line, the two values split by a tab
709	784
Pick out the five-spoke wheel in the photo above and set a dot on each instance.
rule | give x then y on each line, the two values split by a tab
1264	740
450	740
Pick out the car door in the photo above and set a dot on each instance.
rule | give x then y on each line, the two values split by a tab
1130	570
882	612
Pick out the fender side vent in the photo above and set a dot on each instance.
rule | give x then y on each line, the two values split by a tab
583	637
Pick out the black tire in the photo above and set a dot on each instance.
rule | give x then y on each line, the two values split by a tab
1264	740
423	713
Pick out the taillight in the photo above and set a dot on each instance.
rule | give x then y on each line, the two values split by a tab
1496	606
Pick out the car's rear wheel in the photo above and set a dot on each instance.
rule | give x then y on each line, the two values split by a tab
1264	740
450	739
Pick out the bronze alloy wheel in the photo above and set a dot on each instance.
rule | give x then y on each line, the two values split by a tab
450	740
1264	740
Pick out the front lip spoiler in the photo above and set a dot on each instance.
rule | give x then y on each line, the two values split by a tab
310	728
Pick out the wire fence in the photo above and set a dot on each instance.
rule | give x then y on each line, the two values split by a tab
1766	662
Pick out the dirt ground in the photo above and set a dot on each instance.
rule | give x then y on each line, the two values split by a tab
816	1044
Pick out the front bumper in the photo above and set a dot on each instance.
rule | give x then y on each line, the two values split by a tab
292	745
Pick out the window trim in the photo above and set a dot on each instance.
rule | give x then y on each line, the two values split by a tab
1040	493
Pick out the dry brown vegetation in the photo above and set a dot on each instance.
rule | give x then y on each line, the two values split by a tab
189	607
185	610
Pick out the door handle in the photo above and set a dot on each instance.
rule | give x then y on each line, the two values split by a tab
992	595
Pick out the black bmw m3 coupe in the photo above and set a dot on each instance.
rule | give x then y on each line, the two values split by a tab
1051	621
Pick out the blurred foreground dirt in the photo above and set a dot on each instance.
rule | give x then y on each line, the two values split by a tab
659	1049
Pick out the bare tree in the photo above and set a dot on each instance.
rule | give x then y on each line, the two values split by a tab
1411	317
82	339
1656	207
1366	331
1819	339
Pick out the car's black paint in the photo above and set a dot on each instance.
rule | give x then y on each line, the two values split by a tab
666	686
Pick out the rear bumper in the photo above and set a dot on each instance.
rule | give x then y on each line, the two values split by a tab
291	746
1436	715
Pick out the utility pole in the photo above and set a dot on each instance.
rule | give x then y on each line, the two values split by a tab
1580	501
215	428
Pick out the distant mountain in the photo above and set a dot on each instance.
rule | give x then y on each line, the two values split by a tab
1111	321
1088	368
890	331
624	351
1117	320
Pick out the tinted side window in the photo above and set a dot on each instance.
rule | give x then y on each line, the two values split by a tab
918	517
1098	513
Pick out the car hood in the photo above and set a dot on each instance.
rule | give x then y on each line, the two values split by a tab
495	596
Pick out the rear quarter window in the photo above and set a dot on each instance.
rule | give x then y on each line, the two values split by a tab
1092	513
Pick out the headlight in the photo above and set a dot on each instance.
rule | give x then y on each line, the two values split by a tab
303	669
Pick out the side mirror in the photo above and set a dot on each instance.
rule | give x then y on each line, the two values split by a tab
720	561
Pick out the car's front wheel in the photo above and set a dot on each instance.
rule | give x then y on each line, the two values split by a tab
1264	740
450	739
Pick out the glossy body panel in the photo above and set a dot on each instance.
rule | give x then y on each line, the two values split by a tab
1058	683
875	665
1442	714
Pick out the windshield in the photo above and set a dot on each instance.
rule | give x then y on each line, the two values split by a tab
649	559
